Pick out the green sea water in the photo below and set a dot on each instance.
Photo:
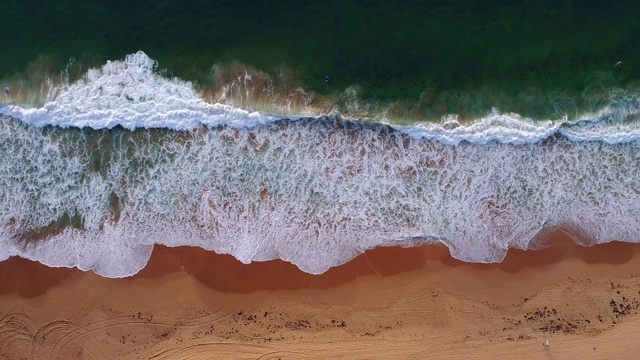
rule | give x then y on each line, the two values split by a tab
529	57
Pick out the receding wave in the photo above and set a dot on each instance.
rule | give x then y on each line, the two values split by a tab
125	158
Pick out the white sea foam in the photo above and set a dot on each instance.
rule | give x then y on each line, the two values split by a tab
131	94
495	127
312	191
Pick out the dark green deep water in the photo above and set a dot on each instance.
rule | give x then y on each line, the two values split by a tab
392	50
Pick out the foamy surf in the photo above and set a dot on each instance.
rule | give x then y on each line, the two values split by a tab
78	190
130	94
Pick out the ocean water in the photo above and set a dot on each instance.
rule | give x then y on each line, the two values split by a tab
472	126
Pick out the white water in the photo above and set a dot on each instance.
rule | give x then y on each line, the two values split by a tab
129	93
315	192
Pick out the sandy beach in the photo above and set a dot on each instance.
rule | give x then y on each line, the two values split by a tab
398	303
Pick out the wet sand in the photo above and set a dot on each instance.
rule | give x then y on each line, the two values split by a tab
386	303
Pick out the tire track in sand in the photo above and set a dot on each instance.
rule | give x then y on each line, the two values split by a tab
14	327
46	334
223	350
125	321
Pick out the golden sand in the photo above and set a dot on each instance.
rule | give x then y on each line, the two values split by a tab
393	303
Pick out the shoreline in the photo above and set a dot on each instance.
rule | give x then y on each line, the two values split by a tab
403	301
274	275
